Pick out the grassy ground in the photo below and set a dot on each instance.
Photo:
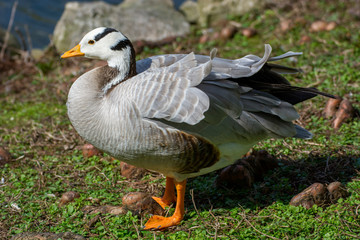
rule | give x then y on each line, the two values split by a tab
47	160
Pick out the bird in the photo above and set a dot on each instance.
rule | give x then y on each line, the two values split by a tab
182	115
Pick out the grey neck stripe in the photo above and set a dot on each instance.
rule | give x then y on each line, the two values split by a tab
104	33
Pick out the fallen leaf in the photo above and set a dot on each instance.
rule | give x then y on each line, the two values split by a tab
131	172
88	150
318	26
330	26
249	32
228	32
315	194
204	38
331	107
140	203
304	39
286	25
5	156
344	113
337	191
68	197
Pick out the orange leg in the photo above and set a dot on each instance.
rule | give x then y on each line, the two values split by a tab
159	222
169	195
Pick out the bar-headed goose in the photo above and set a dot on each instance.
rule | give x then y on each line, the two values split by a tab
182	115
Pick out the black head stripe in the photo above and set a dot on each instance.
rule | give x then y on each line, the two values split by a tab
104	33
121	45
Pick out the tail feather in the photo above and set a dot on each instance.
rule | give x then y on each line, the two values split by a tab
280	69
302	133
270	81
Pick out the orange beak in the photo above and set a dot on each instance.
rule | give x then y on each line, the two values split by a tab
74	52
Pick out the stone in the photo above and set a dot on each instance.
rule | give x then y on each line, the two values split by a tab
214	10
147	20
191	11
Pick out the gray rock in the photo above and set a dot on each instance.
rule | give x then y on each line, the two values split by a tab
191	11
149	20
209	11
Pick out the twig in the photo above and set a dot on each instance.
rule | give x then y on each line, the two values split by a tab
22	39
350	235
327	164
28	37
52	136
29	50
193	201
216	220
248	222
65	138
137	230
107	229
318	81
7	35
315	144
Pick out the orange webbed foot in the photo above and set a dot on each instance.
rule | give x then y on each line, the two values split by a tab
163	202
159	223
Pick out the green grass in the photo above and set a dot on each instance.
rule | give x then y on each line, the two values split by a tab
47	159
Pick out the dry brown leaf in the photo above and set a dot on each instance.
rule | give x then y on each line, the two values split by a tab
336	191
331	26
249	32
318	26
5	156
331	107
344	113
68	197
140	203
131	172
304	39
88	150
228	32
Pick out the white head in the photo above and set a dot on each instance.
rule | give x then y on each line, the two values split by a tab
106	44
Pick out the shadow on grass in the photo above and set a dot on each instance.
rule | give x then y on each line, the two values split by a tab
281	184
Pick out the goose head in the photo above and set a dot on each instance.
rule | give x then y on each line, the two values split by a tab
106	44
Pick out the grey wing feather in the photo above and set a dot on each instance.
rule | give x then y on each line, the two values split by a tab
169	92
285	55
223	68
270	112
190	84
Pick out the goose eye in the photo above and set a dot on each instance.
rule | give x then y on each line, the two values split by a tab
91	42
